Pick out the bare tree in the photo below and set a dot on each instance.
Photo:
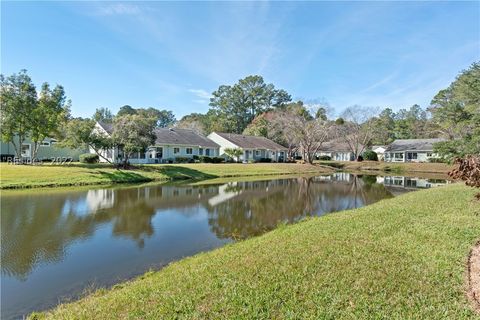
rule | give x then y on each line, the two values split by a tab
302	130
358	128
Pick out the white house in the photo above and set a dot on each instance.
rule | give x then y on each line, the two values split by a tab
380	151
171	143
411	150
254	148
336	150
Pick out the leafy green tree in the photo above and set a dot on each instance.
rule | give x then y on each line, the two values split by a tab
18	100
321	114
236	106
103	115
79	133
456	111
126	109
259	126
51	111
384	127
195	121
162	118
133	133
234	153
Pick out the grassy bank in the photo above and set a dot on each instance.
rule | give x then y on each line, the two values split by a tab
380	166
75	175
402	258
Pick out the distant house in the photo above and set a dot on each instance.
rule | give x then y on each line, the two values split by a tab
47	150
254	148
336	150
411	150
380	151
170	144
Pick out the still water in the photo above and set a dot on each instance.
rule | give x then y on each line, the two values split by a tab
56	244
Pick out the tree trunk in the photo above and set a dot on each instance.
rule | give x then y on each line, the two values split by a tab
100	155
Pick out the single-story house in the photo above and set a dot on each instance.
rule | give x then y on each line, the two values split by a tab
254	148
336	150
170	144
411	150
380	151
47	150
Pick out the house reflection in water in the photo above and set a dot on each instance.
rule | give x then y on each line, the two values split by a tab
398	184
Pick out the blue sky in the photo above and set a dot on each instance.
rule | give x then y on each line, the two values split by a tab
173	55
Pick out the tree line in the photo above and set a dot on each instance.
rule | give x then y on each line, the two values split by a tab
255	108
251	107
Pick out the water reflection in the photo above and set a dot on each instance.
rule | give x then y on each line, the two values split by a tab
104	235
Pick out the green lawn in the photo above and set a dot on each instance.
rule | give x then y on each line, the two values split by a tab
54	176
402	258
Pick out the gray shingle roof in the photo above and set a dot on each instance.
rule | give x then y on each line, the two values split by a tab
413	144
106	126
183	137
335	146
251	142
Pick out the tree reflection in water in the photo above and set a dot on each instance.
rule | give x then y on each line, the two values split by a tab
38	227
261	205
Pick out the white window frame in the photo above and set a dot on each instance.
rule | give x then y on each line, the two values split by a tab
176	150
188	149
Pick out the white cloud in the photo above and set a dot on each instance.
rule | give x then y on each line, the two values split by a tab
116	9
202	94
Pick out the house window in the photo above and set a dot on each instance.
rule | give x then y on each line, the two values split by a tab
134	155
200	151
45	143
257	153
159	153
176	150
26	150
142	155
411	155
189	150
207	152
429	154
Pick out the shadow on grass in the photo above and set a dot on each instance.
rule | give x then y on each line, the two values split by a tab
124	176
155	173
332	164
183	173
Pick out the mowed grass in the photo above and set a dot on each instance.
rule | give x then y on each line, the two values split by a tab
24	176
402	258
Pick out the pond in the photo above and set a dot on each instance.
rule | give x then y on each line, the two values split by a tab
56	244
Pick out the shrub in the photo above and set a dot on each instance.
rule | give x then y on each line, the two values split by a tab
266	160
217	160
370	155
359	158
205	159
183	159
325	158
195	157
89	158
298	157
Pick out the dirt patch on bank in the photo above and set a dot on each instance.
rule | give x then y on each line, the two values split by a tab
474	277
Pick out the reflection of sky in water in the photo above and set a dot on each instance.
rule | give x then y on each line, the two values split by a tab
55	245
